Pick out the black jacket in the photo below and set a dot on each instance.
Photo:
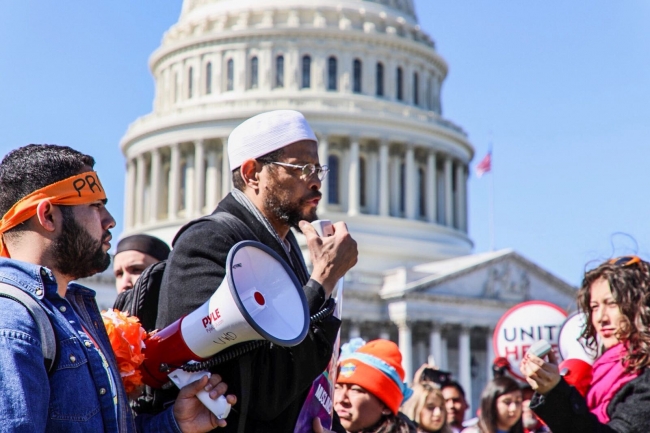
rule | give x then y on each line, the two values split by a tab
566	411
279	377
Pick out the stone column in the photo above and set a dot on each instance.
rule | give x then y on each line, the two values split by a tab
226	175
432	188
211	181
384	193
155	180
265	70
190	187
345	73
129	189
218	68
174	181
460	196
140	170
323	153
449	191
489	353
199	176
444	363
464	362
395	188
410	203
406	348
435	345
353	177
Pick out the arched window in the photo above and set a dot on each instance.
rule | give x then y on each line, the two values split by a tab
356	85
362	182
190	82
422	181
208	78
306	72
380	79
254	73
333	180
399	84
331	73
230	75
279	71
416	89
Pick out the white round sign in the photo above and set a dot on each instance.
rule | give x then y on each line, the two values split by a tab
571	344
523	325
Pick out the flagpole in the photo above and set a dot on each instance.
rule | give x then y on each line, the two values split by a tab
491	210
482	168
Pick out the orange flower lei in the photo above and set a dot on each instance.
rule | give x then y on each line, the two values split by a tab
127	340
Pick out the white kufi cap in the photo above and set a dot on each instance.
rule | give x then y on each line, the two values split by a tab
265	133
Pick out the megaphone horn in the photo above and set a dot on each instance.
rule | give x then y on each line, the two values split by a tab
260	298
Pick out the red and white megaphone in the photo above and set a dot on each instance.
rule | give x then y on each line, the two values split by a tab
577	357
260	298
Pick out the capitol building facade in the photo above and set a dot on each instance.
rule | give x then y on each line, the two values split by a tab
368	79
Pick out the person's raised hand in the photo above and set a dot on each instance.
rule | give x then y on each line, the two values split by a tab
541	375
190	414
318	427
331	256
417	377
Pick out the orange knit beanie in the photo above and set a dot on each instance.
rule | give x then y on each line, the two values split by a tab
376	367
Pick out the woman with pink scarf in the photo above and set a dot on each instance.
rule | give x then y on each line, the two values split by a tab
616	299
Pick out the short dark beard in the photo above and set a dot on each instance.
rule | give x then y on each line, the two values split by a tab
287	210
75	252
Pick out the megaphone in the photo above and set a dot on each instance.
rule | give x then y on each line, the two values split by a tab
260	298
577	357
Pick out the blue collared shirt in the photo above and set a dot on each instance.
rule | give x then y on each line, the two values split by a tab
83	392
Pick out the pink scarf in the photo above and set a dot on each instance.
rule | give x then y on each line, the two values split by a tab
609	376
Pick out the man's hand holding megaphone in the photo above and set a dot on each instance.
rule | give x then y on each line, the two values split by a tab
191	414
331	256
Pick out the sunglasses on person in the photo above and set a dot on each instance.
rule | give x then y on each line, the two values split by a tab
307	170
624	261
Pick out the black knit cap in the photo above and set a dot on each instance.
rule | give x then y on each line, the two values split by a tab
145	244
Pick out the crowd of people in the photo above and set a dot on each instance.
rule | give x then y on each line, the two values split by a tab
55	229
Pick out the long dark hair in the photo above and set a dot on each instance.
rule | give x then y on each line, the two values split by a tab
629	281
493	390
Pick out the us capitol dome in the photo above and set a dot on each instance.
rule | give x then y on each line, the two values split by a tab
368	79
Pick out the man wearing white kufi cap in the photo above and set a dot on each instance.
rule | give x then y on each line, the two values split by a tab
277	178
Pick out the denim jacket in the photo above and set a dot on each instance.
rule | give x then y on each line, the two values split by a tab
77	395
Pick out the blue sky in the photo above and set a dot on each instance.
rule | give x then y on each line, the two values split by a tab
561	89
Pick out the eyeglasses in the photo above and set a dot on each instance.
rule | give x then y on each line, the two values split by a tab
624	261
308	170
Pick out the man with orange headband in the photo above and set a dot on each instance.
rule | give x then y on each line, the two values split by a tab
55	229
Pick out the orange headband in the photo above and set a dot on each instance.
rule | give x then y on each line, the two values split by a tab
80	189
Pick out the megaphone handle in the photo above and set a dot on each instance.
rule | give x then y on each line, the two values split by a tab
219	407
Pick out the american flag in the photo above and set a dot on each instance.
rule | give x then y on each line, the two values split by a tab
485	166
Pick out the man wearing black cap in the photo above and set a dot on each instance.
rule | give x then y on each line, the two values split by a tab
134	254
